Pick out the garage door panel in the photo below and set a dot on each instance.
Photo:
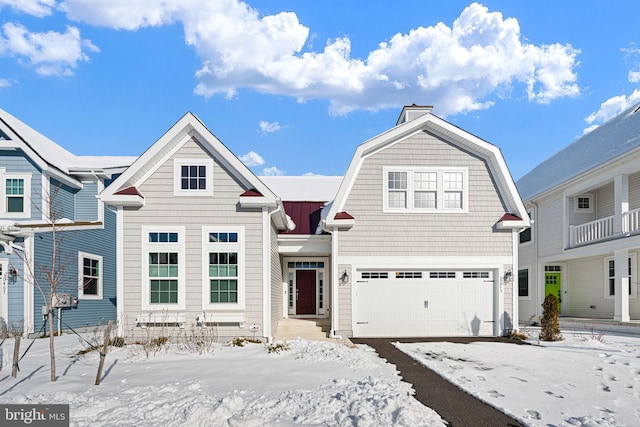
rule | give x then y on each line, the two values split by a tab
423	307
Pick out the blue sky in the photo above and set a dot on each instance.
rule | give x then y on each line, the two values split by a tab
293	87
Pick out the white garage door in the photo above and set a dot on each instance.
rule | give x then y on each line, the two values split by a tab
423	303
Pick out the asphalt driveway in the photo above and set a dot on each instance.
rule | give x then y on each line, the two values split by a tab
453	404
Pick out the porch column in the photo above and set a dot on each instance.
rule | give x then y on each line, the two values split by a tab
621	285
621	204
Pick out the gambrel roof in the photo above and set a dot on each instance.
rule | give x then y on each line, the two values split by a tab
610	141
416	119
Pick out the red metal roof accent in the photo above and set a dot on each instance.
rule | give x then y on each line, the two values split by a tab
130	191
510	217
343	215
305	215
252	192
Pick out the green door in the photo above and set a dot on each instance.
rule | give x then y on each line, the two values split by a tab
552	286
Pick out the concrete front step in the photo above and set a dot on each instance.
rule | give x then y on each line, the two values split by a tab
292	328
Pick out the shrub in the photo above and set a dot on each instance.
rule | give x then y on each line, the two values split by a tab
277	347
549	323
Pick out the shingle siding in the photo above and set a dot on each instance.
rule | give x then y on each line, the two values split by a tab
456	234
194	213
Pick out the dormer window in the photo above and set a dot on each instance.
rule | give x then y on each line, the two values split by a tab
193	177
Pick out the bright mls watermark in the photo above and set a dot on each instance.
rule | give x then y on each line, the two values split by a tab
34	415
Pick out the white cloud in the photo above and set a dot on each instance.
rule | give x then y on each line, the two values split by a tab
4	83
252	159
52	53
610	108
634	76
266	127
457	68
37	8
272	171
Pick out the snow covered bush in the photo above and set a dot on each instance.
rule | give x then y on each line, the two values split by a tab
277	347
550	326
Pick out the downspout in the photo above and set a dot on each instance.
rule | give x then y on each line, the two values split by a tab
515	240
334	281
119	269
536	257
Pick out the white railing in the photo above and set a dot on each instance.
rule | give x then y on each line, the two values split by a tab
631	221
593	231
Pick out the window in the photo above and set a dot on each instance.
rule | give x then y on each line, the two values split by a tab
408	275
525	235
475	275
425	190
193	177
374	275
223	268
164	260
610	276
583	203
16	195
89	276
442	275
523	283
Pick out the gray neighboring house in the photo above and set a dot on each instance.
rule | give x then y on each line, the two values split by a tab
418	239
584	203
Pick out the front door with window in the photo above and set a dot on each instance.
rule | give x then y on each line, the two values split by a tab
305	292
552	286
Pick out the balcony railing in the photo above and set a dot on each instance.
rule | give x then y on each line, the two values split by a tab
602	229
590	232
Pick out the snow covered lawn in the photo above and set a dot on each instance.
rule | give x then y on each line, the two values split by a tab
315	383
584	380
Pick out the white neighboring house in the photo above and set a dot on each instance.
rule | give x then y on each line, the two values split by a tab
583	244
420	239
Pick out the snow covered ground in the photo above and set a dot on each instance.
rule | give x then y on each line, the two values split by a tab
584	380
314	383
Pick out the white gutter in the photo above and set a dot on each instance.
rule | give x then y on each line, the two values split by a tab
266	268
334	279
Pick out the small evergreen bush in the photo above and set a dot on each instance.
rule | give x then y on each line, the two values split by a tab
550	325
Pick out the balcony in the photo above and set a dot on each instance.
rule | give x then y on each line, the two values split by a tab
604	229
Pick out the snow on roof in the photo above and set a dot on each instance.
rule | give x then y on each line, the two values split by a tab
57	156
312	188
610	140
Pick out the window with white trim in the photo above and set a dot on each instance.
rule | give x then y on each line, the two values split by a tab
523	283
89	276
583	203
163	261
16	190
425	189
223	267
610	277
193	177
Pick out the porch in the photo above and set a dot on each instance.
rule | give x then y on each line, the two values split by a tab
576	324
314	329
604	229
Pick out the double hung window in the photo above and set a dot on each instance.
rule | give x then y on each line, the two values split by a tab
425	189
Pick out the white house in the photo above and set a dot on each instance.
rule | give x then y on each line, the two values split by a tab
583	244
419	238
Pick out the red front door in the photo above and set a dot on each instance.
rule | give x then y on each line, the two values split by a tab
305	292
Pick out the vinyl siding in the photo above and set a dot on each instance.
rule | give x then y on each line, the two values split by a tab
163	208
585	285
466	234
549	222
62	200
86	203
100	242
15	291
634	191
604	201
